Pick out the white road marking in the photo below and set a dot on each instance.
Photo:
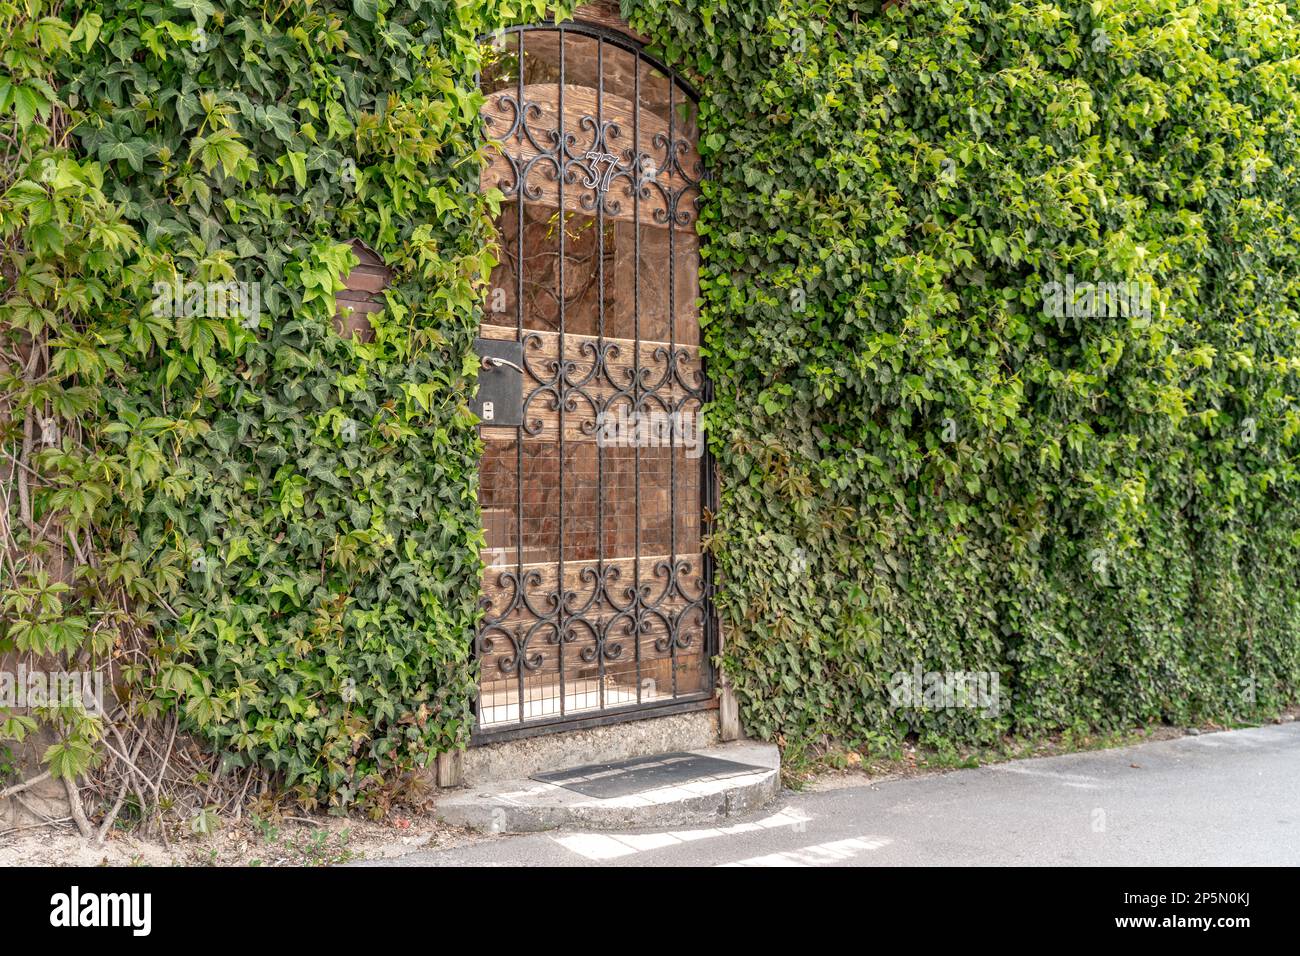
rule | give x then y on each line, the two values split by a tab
610	846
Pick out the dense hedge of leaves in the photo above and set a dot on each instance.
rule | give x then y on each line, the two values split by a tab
291	515
920	467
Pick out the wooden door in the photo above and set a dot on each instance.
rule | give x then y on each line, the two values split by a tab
596	594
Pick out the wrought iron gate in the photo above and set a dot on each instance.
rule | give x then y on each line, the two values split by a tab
594	489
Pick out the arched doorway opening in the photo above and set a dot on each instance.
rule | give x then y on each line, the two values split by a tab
595	481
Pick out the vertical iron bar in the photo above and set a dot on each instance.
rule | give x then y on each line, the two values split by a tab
672	387
599	634
632	419
636	362
601	630
559	611
520	654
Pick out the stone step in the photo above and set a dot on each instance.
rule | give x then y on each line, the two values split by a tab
626	795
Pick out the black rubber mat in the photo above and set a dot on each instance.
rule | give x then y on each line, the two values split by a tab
608	780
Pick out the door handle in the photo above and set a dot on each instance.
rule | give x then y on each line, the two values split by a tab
491	362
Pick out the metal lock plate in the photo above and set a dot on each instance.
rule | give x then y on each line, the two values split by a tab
499	401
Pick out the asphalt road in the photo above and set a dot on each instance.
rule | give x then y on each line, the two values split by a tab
1228	798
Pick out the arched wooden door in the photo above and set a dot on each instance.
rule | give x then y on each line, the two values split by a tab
597	592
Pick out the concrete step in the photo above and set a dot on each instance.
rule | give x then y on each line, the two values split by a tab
529	805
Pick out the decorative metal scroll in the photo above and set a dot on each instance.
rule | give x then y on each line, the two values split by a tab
592	160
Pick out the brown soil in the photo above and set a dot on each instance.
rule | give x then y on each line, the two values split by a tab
292	841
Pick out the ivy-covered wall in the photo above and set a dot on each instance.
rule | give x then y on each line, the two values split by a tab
282	526
932	457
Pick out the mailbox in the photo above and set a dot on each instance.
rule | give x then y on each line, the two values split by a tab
500	397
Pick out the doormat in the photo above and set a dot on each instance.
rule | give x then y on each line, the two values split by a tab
606	781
